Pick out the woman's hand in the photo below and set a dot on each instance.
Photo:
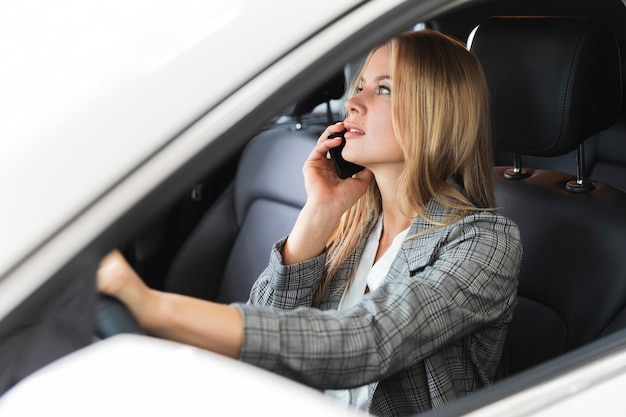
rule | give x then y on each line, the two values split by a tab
117	278
328	197
176	317
323	186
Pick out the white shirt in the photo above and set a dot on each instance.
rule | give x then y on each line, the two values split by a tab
367	275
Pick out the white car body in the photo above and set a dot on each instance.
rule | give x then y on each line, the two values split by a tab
120	376
96	106
133	80
90	81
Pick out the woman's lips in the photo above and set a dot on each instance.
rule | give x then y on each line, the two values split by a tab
352	131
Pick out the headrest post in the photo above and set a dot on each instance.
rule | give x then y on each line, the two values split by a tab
581	185
517	172
329	112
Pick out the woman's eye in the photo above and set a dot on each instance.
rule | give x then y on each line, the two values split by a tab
383	90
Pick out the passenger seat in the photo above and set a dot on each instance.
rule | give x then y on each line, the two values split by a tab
604	152
604	157
554	83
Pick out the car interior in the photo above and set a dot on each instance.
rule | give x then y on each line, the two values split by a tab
556	75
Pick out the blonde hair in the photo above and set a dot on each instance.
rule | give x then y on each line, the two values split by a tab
446	140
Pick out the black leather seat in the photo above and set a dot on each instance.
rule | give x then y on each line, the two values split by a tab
605	152
554	83
231	245
232	242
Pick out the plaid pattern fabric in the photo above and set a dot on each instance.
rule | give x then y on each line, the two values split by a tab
432	332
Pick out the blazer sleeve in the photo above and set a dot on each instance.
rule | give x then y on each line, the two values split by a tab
443	286
287	287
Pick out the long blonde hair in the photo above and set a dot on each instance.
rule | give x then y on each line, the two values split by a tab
446	140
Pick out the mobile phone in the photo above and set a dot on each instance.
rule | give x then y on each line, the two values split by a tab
344	168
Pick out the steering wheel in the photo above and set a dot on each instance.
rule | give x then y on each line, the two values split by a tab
113	317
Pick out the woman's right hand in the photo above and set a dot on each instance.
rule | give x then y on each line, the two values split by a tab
328	197
323	186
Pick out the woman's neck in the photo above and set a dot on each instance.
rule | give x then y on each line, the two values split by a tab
397	216
394	222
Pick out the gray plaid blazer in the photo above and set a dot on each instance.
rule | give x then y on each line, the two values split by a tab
431	333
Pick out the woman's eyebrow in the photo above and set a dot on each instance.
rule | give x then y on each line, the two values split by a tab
378	78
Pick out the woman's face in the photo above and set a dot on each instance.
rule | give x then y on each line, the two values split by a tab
370	139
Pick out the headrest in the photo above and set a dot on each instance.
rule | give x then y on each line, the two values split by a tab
554	81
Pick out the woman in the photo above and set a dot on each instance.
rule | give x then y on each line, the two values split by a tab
396	285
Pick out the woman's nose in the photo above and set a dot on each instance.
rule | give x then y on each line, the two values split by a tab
353	105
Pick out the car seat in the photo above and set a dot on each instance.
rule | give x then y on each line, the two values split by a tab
231	245
605	157
555	82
